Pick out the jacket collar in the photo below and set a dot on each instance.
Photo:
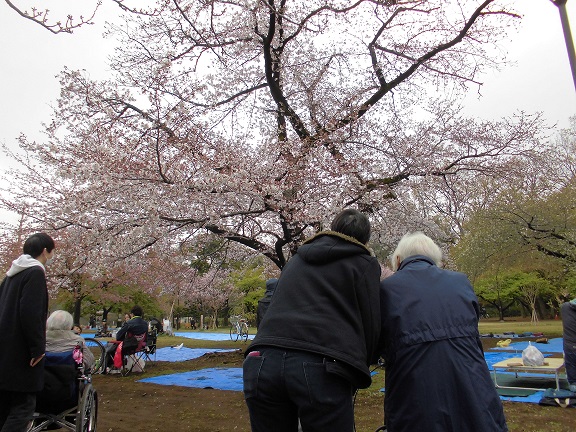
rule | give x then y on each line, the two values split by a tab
416	259
342	236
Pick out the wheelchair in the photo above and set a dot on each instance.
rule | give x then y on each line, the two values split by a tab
68	399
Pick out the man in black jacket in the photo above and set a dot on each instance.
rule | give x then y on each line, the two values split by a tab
23	313
319	335
136	325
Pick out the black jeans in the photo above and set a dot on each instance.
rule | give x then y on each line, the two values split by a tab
16	410
282	386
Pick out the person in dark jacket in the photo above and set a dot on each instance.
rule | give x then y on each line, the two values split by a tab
136	325
23	313
264	302
437	379
568	312
319	336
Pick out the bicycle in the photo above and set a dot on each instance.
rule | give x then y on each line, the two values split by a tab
99	352
238	328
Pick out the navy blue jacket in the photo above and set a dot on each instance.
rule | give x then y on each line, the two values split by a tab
326	302
135	326
436	377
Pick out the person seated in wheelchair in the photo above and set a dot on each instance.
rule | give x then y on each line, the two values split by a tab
134	327
61	338
68	399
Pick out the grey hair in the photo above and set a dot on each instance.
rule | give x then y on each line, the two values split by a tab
60	320
416	243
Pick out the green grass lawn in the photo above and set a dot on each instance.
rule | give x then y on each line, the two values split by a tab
550	328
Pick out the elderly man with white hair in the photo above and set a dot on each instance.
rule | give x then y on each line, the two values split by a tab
61	338
436	377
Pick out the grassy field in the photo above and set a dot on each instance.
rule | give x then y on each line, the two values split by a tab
550	328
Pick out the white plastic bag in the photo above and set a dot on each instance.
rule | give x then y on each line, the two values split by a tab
531	356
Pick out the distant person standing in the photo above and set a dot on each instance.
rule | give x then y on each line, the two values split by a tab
23	313
568	312
264	302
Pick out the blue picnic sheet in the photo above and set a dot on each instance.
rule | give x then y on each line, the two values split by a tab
553	346
170	354
211	378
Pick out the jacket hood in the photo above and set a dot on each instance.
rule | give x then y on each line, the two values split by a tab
328	246
22	263
271	285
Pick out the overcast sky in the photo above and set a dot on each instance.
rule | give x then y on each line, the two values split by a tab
537	79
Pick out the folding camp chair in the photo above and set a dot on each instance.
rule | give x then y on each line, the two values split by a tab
134	353
150	349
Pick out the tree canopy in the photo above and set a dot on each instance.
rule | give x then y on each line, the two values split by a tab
258	120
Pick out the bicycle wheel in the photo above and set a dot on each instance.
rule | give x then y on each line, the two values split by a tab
244	332
234	332
99	352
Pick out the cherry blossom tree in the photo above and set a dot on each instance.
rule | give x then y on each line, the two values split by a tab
211	292
258	120
55	24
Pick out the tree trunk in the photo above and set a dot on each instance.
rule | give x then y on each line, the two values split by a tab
77	310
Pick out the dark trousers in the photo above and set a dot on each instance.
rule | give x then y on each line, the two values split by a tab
16	410
570	362
282	386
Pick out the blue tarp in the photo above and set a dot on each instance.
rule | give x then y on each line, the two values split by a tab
553	346
533	398
176	355
215	378
207	336
492	357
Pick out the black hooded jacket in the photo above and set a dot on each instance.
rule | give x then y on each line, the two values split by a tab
327	302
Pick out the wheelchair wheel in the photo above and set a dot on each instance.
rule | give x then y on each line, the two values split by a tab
99	352
87	413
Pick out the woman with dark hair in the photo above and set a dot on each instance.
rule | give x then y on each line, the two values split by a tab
319	334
